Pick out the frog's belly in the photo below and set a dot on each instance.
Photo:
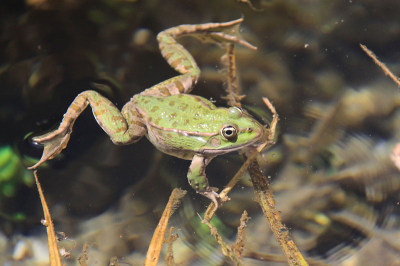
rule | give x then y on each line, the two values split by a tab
175	143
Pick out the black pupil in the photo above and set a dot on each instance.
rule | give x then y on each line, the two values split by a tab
229	132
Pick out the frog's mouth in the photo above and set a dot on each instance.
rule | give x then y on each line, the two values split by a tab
252	145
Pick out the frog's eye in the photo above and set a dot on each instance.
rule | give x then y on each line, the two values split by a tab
229	132
235	112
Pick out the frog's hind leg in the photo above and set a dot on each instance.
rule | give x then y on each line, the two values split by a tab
123	128
182	61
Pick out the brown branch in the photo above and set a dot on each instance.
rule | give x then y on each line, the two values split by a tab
226	249
251	5
241	236
229	60
266	200
381	65
158	237
54	255
211	210
395	156
169	259
84	257
264	195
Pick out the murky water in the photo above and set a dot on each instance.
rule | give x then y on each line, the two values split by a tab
332	168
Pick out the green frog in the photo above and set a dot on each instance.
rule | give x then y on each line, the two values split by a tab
177	123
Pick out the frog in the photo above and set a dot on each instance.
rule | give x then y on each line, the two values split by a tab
177	123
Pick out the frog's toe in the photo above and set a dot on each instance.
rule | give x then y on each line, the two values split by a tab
53	145
215	189
212	195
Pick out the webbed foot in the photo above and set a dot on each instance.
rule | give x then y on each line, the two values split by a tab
212	195
54	142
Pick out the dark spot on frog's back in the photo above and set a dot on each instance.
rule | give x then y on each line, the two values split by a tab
175	124
149	119
173	115
155	108
160	99
197	116
171	103
157	121
186	122
182	106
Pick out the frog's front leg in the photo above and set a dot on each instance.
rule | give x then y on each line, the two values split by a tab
198	180
123	127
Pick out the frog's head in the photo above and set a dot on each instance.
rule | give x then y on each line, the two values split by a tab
239	130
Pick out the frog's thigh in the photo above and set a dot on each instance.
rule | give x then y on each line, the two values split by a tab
196	174
111	120
136	126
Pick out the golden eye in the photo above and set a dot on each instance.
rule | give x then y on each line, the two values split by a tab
229	132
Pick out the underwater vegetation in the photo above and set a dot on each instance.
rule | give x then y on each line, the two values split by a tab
333	170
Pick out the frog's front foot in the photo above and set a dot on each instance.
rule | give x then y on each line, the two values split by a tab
54	142
212	195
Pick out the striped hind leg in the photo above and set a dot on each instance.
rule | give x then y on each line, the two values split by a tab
182	61
123	128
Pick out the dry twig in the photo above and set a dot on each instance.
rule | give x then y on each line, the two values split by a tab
229	60
226	249
251	5
54	255
241	236
381	65
169	259
83	258
158	237
264	195
395	156
266	200
224	193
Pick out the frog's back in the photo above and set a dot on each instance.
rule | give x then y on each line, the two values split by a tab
184	112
